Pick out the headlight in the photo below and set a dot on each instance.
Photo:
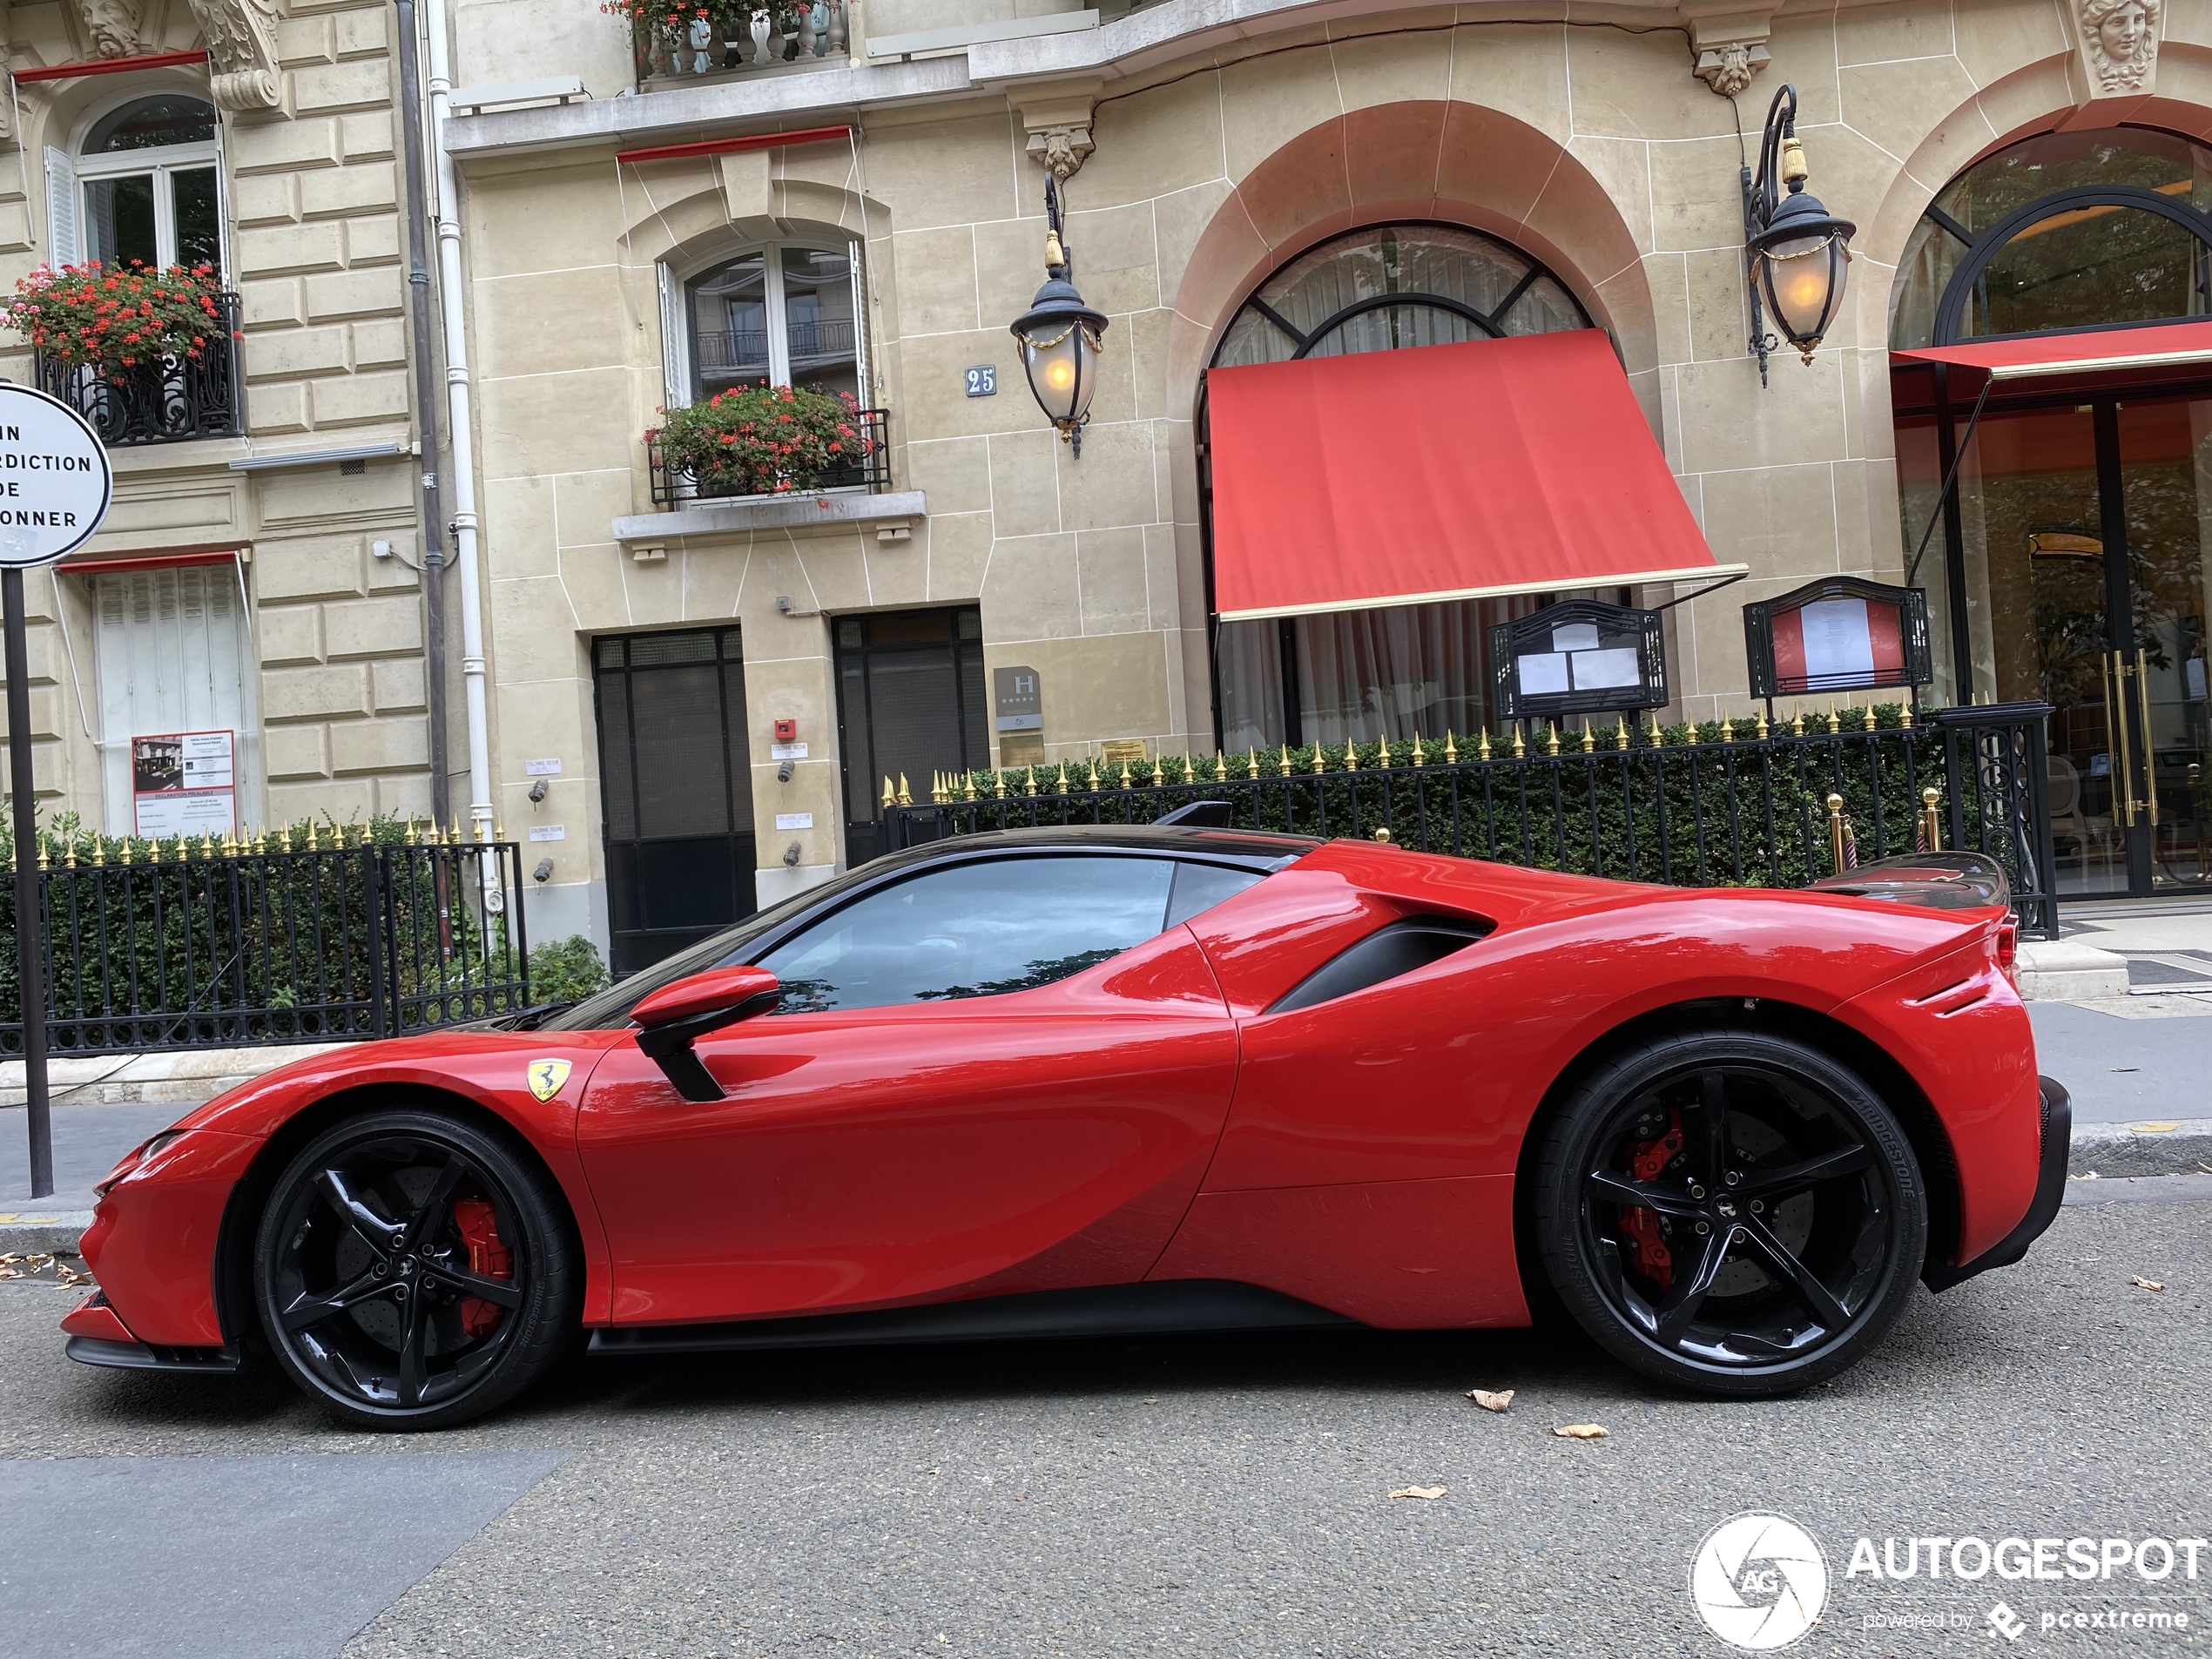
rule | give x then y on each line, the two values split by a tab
130	1160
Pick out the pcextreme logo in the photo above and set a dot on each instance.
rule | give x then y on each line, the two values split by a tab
1759	1581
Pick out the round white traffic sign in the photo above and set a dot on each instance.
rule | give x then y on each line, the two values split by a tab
55	479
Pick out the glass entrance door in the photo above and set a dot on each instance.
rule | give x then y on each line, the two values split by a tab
2082	530
2157	671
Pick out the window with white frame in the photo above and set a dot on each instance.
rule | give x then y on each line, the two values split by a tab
790	313
173	654
144	183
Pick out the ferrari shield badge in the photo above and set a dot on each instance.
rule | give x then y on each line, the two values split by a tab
546	1076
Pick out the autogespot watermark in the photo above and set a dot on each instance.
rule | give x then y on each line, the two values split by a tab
1760	1582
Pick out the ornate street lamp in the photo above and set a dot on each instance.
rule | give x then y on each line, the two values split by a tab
1798	252
1061	336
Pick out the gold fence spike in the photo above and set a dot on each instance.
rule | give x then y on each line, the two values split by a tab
906	795
1834	722
1028	780
1450	748
1383	757
1551	744
1186	766
1320	758
968	785
1251	763
890	794
1797	724
1870	716
1519	741
1590	737
42	852
1350	757
1094	774
1063	778
124	852
1904	712
1220	767
1125	774
153	849
1727	730
68	853
1763	725
1281	760
100	852
1624	742
229	844
498	833
998	784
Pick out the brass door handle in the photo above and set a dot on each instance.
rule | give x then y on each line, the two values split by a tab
2124	790
2150	749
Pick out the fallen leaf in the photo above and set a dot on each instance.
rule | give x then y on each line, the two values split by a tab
1428	1493
1491	1402
2145	1285
8	1272
1581	1432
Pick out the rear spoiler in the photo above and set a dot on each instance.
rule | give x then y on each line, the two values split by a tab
1937	881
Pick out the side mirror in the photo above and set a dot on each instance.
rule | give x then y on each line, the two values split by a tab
677	1016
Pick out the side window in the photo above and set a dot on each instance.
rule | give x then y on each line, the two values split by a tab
974	930
1201	887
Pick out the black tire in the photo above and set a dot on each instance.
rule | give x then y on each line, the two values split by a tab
378	1273
1813	1213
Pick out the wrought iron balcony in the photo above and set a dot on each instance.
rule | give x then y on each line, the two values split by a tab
166	400
672	486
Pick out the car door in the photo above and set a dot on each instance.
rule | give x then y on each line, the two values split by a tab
997	1075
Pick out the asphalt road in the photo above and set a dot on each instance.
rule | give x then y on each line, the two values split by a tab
1216	1497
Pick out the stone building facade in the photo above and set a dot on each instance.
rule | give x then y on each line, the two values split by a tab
697	701
234	586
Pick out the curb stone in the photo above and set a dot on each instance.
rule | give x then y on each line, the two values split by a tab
2148	1147
47	1231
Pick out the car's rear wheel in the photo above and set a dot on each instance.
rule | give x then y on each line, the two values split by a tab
414	1271
1730	1211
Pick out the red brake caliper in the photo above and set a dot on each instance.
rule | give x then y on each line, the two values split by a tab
1647	1240
478	1226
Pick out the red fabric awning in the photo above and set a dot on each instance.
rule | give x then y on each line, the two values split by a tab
2100	358
1522	465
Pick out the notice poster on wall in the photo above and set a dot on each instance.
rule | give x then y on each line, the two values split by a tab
1839	644
184	783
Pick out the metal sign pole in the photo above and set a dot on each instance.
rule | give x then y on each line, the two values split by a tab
56	486
31	958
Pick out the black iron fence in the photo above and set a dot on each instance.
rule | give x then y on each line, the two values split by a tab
303	936
1729	803
164	400
871	470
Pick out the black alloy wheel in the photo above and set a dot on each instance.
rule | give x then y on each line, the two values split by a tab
414	1271
1730	1211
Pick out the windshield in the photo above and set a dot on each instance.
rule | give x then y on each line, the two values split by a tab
610	1007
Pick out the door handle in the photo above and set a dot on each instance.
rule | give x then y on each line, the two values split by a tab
2150	749
2123	786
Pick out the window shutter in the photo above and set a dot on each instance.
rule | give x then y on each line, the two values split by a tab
61	245
675	341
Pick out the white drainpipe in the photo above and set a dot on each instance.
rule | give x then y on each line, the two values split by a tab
461	487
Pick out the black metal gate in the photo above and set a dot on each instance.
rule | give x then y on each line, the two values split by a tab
676	772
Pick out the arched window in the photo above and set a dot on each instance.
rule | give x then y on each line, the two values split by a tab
1397	285
788	313
2063	231
1366	674
144	183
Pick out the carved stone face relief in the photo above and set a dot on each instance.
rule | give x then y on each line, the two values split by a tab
2119	42
110	26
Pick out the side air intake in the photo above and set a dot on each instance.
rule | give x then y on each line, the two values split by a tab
1398	948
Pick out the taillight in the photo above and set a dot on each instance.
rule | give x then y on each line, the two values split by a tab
2007	945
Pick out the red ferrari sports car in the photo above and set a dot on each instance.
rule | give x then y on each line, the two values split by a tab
1065	1081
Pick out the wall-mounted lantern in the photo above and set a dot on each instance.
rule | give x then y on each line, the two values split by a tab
1799	254
1061	336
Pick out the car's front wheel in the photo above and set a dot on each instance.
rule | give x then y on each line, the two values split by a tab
1730	1211
414	1271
